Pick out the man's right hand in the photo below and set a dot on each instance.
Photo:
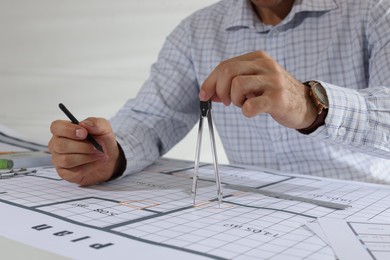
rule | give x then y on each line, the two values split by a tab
76	159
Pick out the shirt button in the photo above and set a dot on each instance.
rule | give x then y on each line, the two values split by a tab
341	131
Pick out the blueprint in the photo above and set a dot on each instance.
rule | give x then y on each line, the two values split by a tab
151	214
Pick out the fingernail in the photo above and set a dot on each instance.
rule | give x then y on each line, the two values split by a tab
202	95
80	133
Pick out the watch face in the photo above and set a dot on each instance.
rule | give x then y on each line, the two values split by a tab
320	93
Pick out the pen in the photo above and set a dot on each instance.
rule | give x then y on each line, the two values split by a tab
6	164
75	121
27	159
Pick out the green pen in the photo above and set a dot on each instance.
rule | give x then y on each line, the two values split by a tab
6	164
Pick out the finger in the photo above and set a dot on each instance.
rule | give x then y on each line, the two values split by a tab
218	85
68	129
225	74
84	175
245	87
256	105
76	175
63	145
68	175
102	132
69	161
207	90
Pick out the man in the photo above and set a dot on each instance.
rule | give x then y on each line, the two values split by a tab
252	58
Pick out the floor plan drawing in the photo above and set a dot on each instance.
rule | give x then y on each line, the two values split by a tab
152	213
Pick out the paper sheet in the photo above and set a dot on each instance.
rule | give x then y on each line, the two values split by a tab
13	141
357	240
151	213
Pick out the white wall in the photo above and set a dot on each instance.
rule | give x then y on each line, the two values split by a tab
92	55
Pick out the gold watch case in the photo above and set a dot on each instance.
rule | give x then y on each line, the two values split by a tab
318	96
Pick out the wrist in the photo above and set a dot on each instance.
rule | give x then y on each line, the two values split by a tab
319	121
120	165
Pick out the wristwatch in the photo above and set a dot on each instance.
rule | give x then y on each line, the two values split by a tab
320	99
318	95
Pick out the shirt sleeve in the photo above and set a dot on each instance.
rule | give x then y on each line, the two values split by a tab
165	109
360	119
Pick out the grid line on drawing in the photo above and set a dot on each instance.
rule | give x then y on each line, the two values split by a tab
95	212
381	215
156	207
221	241
363	203
283	249
232	175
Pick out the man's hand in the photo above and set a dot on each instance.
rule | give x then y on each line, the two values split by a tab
258	84
76	159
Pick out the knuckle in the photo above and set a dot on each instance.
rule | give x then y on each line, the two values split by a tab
222	93
100	123
253	107
276	68
59	145
53	126
238	82
226	69
93	119
222	64
260	53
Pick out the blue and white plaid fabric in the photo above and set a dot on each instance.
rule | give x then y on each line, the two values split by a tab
342	43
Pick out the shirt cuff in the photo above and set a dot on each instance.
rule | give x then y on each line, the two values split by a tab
347	118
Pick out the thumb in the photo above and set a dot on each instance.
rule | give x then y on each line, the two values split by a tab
101	129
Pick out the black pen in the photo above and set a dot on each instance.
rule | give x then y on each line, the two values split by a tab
75	121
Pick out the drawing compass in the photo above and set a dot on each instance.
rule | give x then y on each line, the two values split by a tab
205	112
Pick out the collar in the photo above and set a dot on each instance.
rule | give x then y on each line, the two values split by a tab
314	6
242	15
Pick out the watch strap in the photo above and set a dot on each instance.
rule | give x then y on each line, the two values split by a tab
319	121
